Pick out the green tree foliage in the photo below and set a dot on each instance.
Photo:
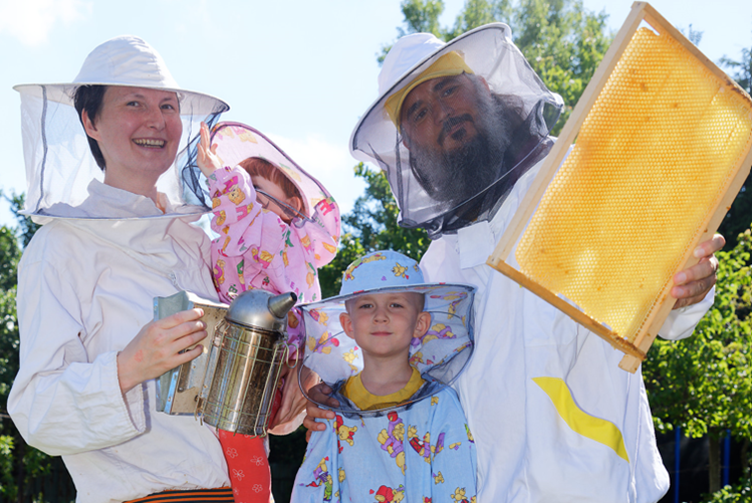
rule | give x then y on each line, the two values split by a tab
374	218
477	13
422	16
740	492
372	225
20	464
26	228
9	256
10	253
738	217
704	383
7	485
562	41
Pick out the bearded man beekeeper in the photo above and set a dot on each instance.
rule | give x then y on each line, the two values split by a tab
461	130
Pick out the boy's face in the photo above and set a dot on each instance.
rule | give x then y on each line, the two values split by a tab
384	324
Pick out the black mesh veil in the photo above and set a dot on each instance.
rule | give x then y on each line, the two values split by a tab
193	181
458	127
59	162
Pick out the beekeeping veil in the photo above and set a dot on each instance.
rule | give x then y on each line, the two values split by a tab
236	142
489	143
59	163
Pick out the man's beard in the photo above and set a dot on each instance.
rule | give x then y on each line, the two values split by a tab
455	177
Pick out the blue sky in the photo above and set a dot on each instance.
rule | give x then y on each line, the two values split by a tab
302	72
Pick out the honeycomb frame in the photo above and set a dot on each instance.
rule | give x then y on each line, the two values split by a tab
623	93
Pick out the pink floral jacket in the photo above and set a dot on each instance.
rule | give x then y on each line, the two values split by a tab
256	249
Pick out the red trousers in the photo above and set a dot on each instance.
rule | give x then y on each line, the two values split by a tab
248	467
247	462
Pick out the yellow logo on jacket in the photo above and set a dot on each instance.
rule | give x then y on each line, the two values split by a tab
600	430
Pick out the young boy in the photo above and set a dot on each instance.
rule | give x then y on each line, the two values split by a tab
389	345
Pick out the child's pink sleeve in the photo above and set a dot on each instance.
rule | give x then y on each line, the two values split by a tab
249	239
233	198
316	242
323	232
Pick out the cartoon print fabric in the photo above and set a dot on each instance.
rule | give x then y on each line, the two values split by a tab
418	450
281	257
439	355
424	453
236	142
256	249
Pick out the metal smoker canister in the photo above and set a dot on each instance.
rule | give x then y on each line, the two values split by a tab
250	349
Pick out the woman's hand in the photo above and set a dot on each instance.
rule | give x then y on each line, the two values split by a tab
293	402
207	158
160	346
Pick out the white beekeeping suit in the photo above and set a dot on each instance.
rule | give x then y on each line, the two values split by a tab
86	286
553	416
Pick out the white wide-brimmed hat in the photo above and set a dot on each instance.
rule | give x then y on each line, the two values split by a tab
487	52
440	354
59	163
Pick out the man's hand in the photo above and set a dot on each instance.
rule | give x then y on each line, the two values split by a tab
293	402
691	285
320	393
160	346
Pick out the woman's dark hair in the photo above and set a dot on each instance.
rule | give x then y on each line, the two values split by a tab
89	99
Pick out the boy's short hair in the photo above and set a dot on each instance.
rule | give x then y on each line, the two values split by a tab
420	304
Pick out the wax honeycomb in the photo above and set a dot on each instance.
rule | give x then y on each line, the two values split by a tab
652	160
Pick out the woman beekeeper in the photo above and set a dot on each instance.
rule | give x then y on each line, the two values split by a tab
112	240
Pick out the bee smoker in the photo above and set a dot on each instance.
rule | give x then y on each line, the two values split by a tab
232	384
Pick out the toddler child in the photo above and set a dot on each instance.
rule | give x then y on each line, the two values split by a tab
277	225
399	433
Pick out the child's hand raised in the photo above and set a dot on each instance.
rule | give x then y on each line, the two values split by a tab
207	158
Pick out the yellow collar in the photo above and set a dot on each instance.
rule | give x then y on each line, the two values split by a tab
364	400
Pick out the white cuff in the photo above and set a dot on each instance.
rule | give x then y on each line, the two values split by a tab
682	322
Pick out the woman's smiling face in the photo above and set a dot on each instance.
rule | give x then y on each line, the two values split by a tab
138	131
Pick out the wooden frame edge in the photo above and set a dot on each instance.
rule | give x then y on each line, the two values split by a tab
653	17
636	353
646	337
583	319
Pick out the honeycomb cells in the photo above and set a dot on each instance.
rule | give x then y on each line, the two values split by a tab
652	160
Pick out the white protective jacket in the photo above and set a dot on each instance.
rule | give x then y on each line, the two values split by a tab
85	289
531	367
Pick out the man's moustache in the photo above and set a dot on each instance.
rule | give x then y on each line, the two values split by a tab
449	123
